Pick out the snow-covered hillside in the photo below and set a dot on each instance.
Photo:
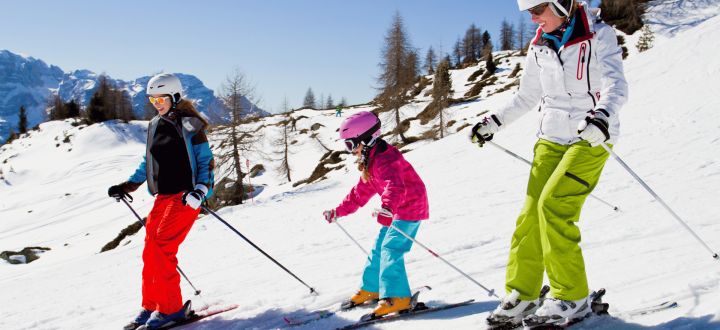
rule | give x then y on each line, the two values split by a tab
53	194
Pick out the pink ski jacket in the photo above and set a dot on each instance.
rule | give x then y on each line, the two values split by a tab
395	180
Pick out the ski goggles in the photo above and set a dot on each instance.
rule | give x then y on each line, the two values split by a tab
351	144
158	100
539	9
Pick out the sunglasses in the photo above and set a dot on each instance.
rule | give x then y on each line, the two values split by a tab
538	10
158	100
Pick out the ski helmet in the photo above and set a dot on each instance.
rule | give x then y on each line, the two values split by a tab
165	83
561	8
362	127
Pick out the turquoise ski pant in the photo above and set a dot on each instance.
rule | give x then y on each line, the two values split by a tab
385	268
546	237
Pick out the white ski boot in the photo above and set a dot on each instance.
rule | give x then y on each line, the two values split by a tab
557	312
511	311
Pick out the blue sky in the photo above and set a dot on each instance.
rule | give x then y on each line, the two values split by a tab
283	46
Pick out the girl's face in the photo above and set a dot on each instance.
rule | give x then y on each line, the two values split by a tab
161	103
358	150
545	18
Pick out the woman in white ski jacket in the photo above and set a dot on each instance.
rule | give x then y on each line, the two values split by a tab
573	78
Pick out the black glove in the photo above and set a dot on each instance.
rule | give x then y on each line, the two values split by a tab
123	190
485	129
116	191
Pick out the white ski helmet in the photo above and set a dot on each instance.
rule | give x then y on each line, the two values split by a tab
561	8
165	83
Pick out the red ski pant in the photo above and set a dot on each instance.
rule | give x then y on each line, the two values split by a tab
167	225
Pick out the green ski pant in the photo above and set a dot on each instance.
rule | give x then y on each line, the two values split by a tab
546	237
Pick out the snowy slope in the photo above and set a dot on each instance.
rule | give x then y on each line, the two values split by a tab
54	196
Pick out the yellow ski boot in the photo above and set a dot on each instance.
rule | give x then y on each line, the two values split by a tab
392	305
360	298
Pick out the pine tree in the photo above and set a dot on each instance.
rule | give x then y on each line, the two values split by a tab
457	53
646	39
309	101
472	45
442	87
486	44
234	91
343	102
22	120
522	35
330	103
398	72
430	61
109	102
282	143
490	64
56	108
507	36
96	109
72	109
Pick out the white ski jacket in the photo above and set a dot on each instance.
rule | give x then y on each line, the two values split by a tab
585	74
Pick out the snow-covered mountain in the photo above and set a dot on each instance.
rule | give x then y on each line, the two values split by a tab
24	81
29	81
640	254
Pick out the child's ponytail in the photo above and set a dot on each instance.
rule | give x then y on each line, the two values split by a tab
363	163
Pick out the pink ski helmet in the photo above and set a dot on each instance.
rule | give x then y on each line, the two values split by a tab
362	127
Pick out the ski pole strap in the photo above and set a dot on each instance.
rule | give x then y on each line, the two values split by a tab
124	196
660	200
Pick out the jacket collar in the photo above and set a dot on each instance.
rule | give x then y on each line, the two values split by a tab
581	29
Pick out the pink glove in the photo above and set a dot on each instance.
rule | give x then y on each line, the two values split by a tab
384	216
330	215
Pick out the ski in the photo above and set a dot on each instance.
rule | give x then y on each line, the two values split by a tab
205	313
325	313
307	318
419	309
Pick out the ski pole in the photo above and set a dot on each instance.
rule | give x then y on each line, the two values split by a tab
615	208
350	237
312	291
662	202
490	292
197	292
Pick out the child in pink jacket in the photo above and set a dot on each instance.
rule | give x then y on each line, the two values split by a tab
404	203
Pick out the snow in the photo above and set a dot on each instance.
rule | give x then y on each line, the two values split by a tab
54	195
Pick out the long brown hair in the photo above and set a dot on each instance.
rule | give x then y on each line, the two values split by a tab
364	170
187	108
